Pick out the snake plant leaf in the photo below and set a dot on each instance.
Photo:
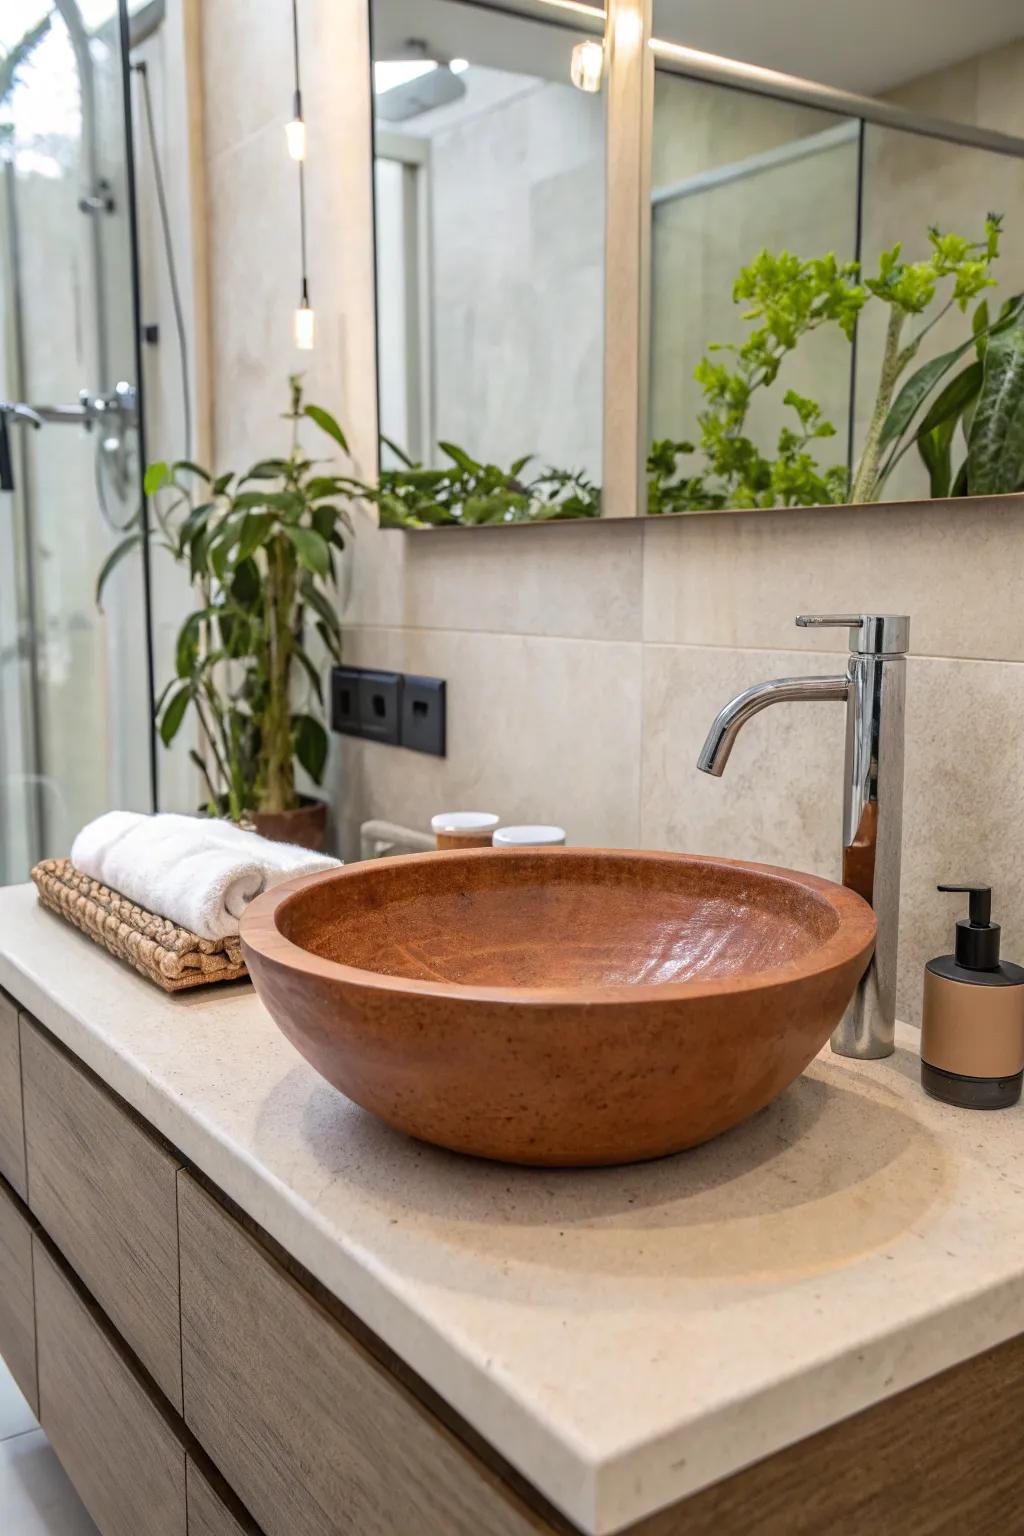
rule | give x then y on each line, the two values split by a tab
960	393
995	450
936	449
916	390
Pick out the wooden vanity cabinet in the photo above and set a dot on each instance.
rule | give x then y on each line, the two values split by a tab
103	1187
17	1304
12	1125
114	1437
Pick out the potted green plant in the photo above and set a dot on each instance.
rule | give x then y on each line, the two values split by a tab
261	549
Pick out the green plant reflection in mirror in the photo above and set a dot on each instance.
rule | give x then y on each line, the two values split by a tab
785	299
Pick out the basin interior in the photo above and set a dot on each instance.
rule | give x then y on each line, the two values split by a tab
557	919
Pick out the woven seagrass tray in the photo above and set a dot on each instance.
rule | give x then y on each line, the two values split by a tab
158	949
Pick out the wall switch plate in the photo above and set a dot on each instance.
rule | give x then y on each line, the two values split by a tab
366	702
345	700
380	702
423	715
390	708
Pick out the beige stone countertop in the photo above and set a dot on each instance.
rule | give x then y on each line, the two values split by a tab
622	1336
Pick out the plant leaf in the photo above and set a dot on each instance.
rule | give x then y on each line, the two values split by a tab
318	600
311	549
326	422
399	453
174	713
310	745
157	475
195	469
958	394
995	452
310	671
116	555
914	391
255	531
460	457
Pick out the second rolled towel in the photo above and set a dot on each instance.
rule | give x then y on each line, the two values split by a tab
200	873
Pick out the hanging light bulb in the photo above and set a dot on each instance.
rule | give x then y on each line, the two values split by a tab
295	132
586	67
304	322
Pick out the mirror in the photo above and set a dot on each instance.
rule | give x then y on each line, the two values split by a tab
489	181
779	373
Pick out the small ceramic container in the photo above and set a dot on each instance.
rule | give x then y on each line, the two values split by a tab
464	829
529	837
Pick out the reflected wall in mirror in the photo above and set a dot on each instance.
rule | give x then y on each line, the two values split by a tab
835	311
489	186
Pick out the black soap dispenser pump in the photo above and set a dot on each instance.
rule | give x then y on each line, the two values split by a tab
972	1026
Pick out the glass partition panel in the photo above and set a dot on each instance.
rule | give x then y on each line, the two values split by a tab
489	182
746	184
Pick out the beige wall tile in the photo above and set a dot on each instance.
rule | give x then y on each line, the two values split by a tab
538	730
580	582
780	797
964	808
741	579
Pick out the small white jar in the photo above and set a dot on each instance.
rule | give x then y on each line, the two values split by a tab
463	829
529	837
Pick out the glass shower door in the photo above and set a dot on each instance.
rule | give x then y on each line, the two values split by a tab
75	733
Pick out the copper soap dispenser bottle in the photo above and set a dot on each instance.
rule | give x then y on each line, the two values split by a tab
972	1027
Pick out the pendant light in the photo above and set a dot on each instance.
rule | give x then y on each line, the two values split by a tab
303	320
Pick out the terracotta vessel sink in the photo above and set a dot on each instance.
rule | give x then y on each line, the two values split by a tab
558	1005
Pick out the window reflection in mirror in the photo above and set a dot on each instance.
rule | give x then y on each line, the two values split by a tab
489	192
752	194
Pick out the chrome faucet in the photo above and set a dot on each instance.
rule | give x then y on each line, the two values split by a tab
873	688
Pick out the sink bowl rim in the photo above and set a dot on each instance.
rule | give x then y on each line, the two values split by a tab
854	935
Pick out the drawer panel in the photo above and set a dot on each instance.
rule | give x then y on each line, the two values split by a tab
104	1190
12	1131
311	1431
208	1512
111	1435
17	1305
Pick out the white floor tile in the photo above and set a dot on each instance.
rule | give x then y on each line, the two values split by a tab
35	1495
15	1414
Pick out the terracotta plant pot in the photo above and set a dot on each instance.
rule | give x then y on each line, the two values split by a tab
306	826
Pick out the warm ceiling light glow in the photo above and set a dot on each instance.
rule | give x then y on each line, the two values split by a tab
305	327
389	73
586	68
295	133
458	66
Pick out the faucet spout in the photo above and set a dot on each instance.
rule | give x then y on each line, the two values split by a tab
873	688
781	690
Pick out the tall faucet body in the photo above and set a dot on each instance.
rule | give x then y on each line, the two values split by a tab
874	690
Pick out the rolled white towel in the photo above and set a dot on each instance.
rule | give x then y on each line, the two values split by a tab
200	873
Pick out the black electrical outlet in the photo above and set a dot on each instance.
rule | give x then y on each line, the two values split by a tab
345	700
423	715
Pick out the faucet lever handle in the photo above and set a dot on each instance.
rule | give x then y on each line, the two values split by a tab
871	634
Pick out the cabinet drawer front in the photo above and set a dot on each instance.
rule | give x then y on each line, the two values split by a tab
17	1306
112	1438
208	1514
310	1430
104	1190
12	1130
